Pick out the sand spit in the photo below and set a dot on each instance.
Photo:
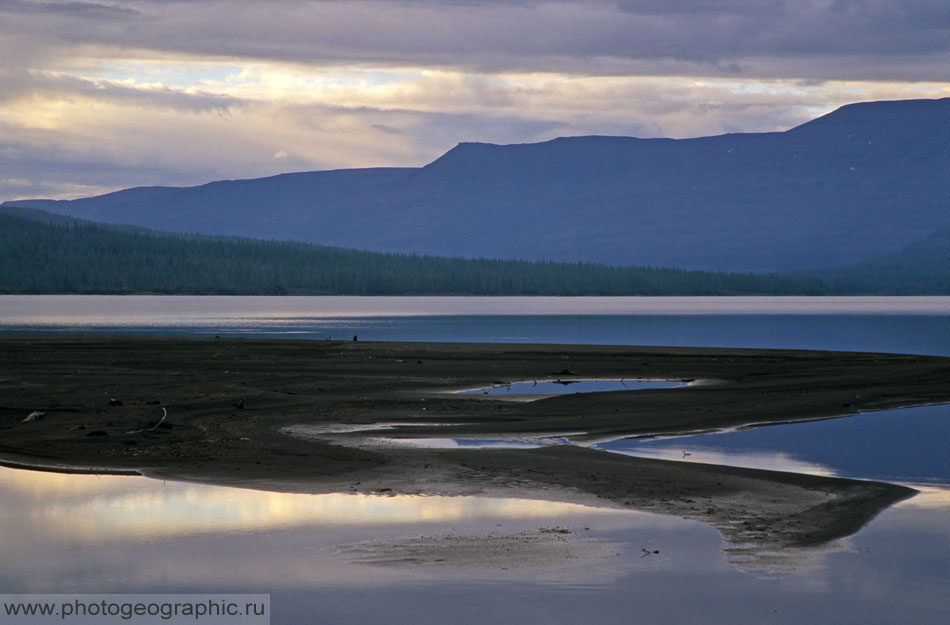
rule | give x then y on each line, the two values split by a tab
227	402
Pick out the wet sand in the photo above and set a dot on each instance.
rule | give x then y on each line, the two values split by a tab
229	404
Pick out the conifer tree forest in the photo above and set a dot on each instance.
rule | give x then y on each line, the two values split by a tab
72	256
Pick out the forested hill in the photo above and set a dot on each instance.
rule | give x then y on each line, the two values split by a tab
921	268
70	256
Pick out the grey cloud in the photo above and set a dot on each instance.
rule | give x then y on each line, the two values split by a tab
35	171
153	98
577	36
751	28
810	39
89	10
15	84
387	129
701	7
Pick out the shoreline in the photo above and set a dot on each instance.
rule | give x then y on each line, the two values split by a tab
228	401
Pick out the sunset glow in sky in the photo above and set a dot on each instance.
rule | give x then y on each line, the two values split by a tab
101	95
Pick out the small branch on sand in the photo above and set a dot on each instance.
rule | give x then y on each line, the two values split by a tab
154	427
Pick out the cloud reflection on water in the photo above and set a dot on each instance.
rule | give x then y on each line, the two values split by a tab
768	461
86	533
89	532
116	508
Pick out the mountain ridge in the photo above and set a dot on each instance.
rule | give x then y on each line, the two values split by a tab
866	179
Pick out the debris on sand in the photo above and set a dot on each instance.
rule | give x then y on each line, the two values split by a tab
36	415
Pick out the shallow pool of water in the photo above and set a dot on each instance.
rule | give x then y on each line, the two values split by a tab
570	385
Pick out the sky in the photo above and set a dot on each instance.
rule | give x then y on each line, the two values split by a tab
99	95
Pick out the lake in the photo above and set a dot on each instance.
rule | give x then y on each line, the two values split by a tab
107	534
918	325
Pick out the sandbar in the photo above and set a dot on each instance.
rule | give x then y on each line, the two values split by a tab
219	411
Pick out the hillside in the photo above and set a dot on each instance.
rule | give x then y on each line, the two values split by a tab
922	268
43	254
865	180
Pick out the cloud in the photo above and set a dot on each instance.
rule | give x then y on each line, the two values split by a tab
806	39
389	130
103	95
86	10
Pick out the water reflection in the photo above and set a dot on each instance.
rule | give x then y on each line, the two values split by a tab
696	452
905	445
116	508
571	385
929	497
79	532
85	533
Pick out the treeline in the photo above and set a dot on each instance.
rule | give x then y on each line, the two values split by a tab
89	258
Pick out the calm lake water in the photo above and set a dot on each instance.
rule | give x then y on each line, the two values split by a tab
919	325
106	534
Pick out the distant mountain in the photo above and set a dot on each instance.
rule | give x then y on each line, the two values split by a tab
865	180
